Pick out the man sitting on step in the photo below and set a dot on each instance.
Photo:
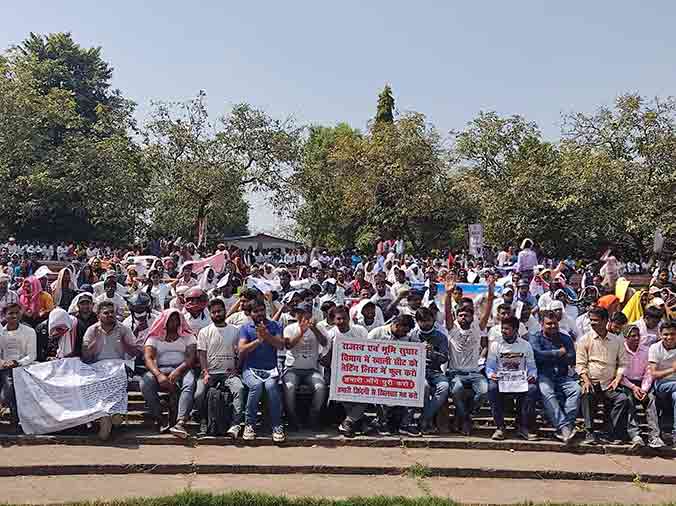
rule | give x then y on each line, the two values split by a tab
554	356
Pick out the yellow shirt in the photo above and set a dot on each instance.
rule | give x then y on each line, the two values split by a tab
601	359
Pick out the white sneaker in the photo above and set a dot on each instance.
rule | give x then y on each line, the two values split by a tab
249	433
233	431
105	426
656	442
278	434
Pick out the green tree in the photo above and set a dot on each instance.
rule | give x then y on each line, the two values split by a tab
353	188
639	137
201	171
70	166
385	111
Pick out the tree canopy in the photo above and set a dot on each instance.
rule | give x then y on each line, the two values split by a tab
77	166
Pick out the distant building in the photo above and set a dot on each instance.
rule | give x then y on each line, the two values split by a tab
261	241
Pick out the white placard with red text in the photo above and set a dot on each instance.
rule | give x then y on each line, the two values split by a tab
378	372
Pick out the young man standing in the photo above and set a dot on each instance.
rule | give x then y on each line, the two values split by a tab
18	348
511	354
554	355
600	362
217	349
662	360
302	340
258	345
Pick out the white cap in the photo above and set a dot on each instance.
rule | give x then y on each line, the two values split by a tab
556	304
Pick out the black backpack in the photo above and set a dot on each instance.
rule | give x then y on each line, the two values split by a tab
219	410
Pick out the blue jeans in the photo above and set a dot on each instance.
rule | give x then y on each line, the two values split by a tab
561	398
667	390
436	393
256	383
185	387
459	381
524	402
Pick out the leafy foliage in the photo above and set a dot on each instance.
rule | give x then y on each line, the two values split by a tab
66	152
200	170
392	181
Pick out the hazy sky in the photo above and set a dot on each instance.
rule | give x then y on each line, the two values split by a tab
325	63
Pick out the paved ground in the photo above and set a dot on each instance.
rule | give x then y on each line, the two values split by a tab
23	459
44	490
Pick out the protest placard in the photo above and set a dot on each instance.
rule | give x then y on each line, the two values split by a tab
378	372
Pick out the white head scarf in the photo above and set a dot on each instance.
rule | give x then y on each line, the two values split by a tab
58	285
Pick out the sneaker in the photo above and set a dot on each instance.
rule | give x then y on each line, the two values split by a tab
410	430
637	442
204	429
590	438
567	434
117	420
498	435
528	436
345	428
105	426
278	434
179	431
249	433
233	431
656	443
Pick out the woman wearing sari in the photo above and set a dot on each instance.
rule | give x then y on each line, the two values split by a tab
35	302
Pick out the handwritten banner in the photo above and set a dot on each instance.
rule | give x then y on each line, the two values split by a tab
378	372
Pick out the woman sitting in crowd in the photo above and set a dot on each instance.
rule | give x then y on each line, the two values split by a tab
170	351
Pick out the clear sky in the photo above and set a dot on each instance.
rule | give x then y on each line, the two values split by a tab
326	62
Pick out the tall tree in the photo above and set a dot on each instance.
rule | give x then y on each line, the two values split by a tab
385	111
207	169
66	151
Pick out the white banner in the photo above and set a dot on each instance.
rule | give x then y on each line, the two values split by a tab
476	239
378	372
57	395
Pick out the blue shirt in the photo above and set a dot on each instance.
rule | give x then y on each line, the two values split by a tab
264	356
549	361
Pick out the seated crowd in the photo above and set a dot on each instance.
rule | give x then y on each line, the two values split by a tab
214	344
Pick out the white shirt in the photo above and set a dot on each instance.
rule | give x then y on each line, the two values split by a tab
229	302
171	354
662	358
20	345
117	301
238	319
305	355
464	347
495	334
221	346
160	293
143	334
384	333
354	332
199	322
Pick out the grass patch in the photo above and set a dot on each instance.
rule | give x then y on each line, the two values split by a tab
418	470
190	498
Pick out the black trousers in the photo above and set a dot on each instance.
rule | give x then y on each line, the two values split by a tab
616	406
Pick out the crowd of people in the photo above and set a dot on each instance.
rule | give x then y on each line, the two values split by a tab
216	331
